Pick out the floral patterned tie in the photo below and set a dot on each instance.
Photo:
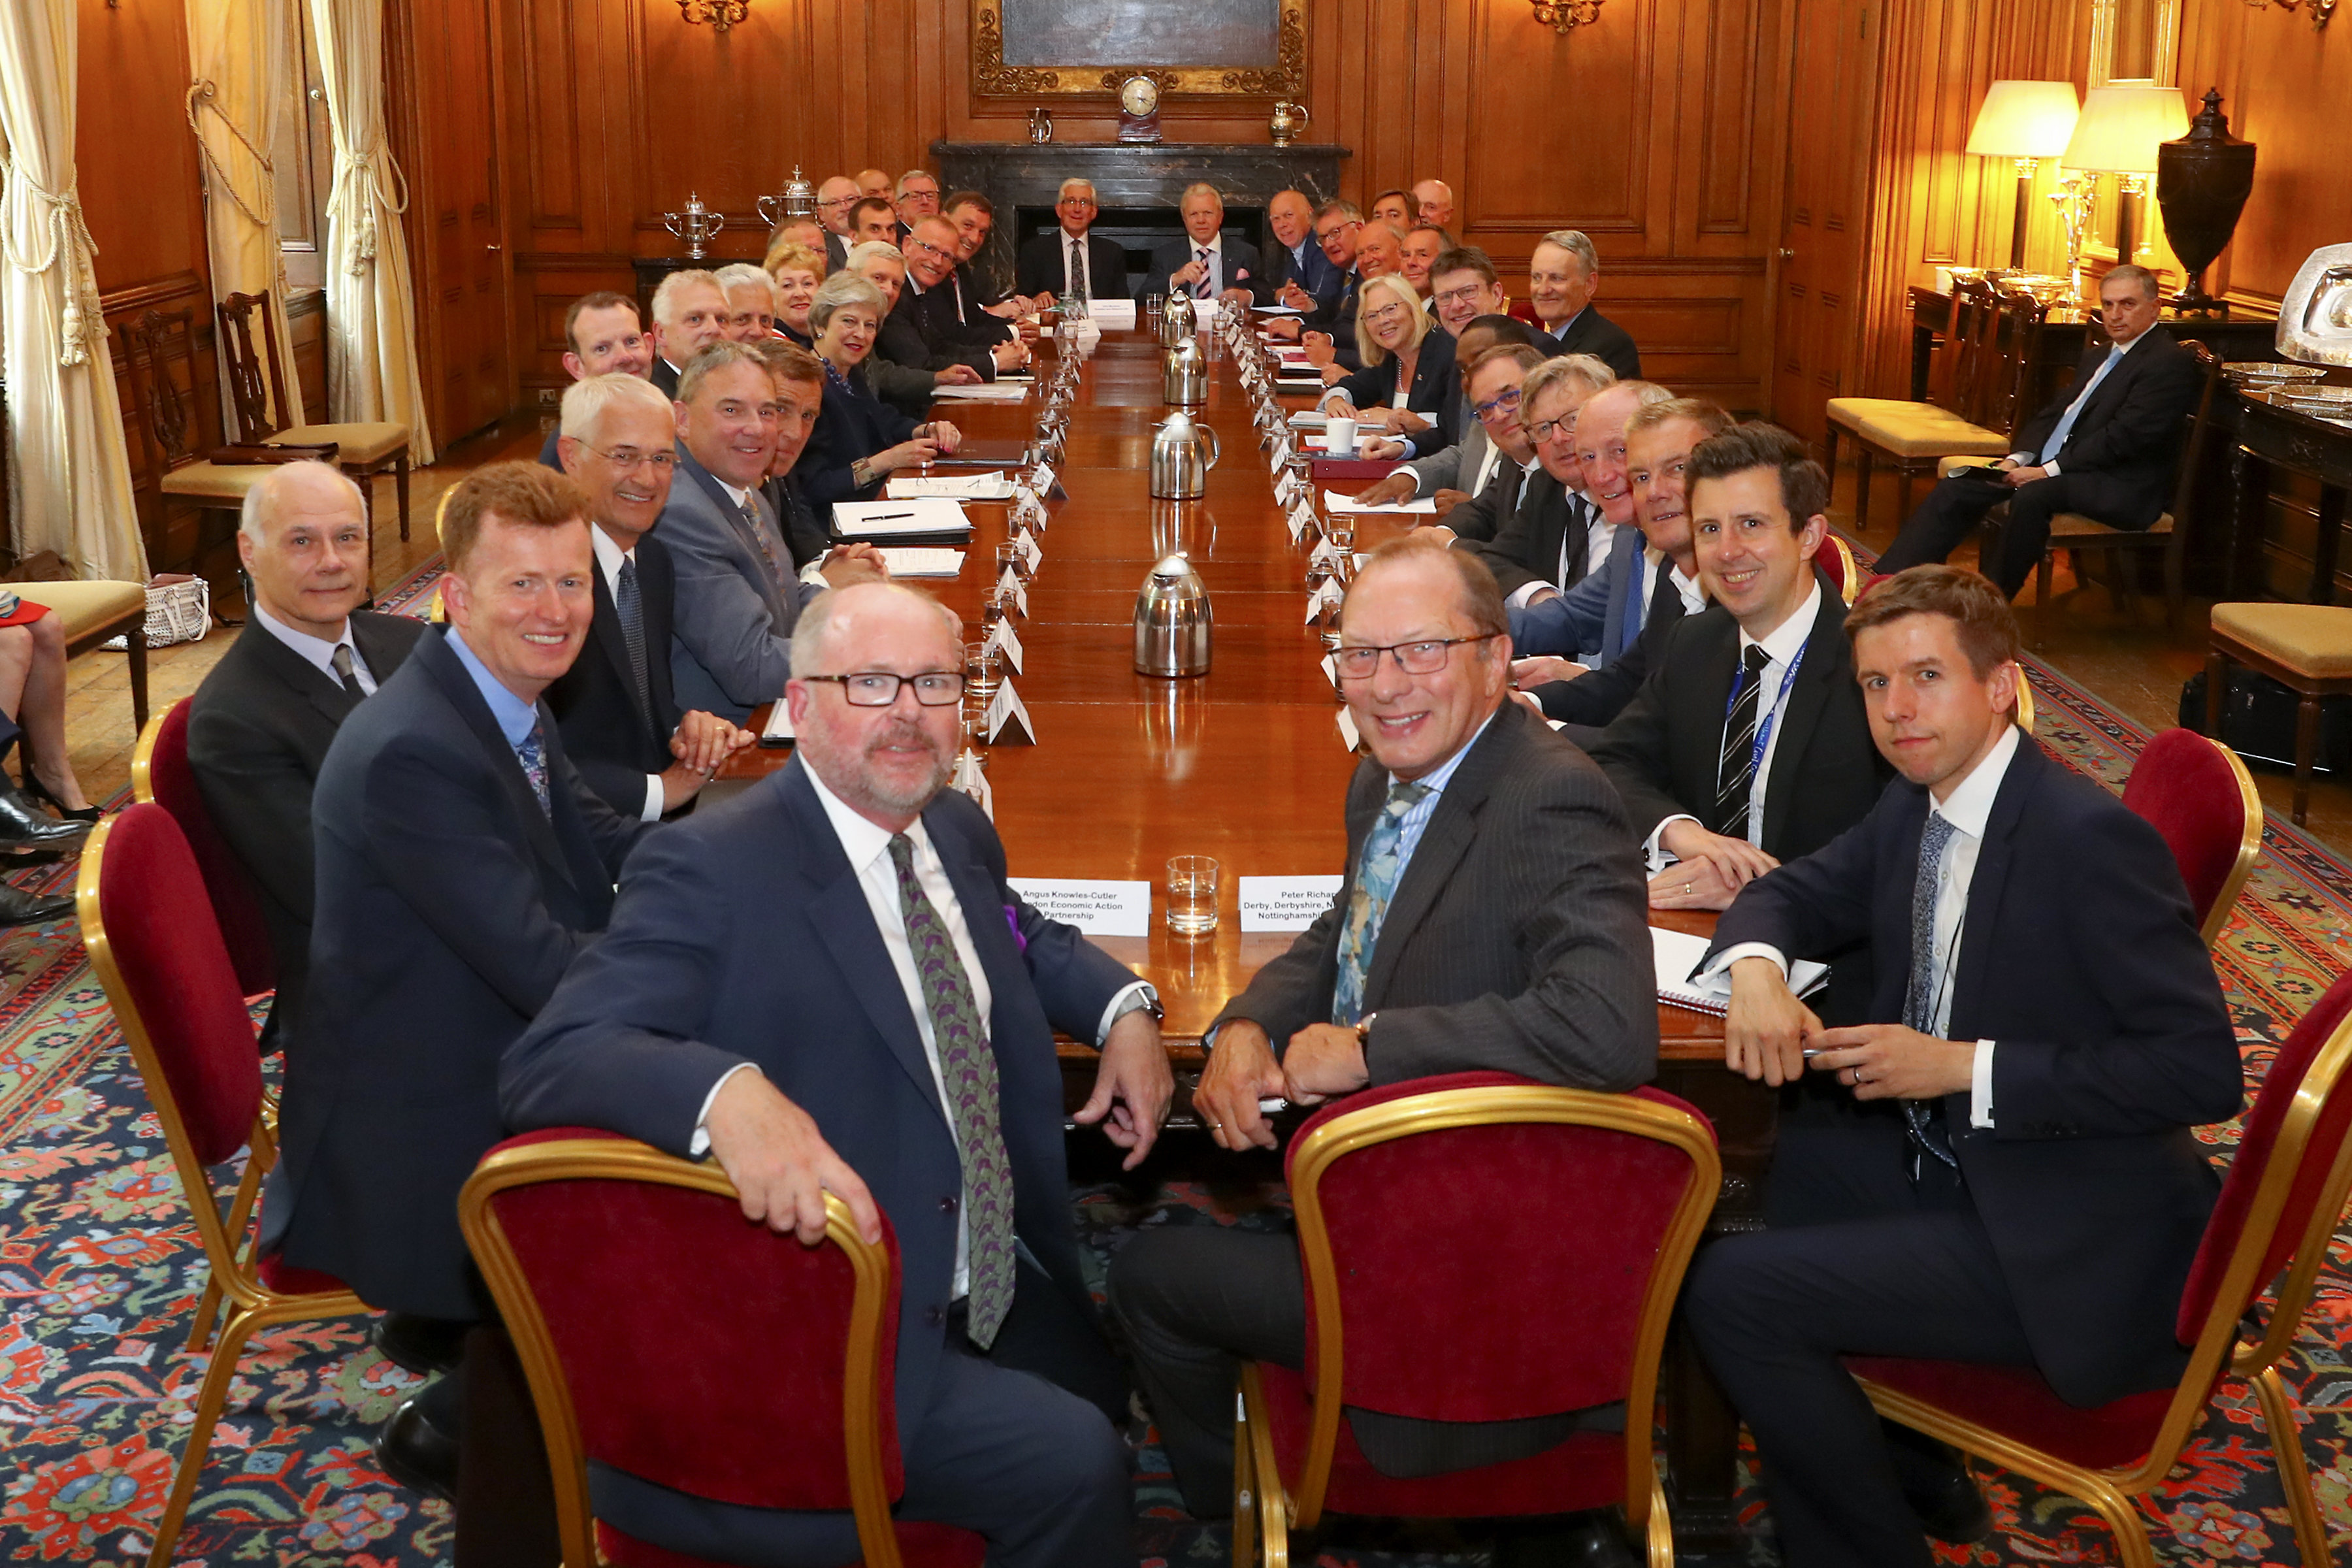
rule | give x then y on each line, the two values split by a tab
532	755
1367	904
969	1069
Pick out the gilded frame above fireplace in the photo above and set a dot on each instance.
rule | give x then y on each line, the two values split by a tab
992	78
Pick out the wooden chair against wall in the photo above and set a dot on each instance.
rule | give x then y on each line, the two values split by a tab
1916	435
364	450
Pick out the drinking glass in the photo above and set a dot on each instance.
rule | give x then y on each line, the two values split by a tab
1191	895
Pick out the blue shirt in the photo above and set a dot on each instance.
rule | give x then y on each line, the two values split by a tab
515	718
1417	821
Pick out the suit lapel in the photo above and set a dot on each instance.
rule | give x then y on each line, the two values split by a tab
1452	827
1994	857
606	628
301	676
457	686
1825	669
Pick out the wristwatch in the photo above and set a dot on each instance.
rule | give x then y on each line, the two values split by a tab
1144	998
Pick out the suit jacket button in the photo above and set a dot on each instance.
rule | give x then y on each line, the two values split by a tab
948	1204
935	1316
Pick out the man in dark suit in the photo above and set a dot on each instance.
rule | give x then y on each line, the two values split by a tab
1073	263
1453	473
931	305
259	726
1491	918
461	865
834	200
2046	1018
901	370
978	284
873	217
1298	273
690	312
1538	546
1632	622
904	1062
1563	275
601	336
2106	446
1532	559
1209	261
621	719
916	198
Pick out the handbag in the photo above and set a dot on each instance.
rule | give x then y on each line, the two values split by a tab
179	609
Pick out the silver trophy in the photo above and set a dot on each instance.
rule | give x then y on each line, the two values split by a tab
698	225
796	200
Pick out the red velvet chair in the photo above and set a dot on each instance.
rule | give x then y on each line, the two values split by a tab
160	772
648	1314
1448	1229
2277	1212
147	923
2199	796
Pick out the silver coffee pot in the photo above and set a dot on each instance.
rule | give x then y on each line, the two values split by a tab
1172	623
1176	321
1184	377
1179	471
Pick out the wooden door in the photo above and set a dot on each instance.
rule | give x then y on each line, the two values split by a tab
1826	228
443	79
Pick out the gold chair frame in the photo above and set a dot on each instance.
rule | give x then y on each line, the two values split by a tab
2250	845
1266	1510
602	1158
230	1246
2111	1491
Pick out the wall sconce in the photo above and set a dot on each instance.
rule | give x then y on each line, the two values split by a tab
1560	15
721	14
2027	121
2320	9
2119	133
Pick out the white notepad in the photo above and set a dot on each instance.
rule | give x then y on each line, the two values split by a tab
1677	955
992	486
922	560
1334	501
916	517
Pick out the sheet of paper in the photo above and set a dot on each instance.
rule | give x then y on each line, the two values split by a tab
955	487
1098	909
1676	955
915	518
922	560
1324	601
1334	501
1308	419
984	392
1286	903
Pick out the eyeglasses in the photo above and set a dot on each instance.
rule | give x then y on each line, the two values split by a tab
838	202
1506	404
628	459
1383	315
1412	657
1465	295
1085	202
1540	433
935	250
879	688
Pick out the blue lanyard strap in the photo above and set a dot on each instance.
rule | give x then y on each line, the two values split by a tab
1764	727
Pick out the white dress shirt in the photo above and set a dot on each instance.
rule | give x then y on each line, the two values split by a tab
1598	538
609	556
1216	249
319	651
1782	648
1968	808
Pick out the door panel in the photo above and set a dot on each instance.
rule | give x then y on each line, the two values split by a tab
1826	225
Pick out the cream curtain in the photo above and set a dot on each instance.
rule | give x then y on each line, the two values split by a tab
240	58
371	313
68	463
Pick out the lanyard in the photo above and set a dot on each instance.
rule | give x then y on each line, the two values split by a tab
1763	729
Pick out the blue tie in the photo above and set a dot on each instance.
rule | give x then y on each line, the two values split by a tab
1629	630
1367	904
532	755
1924	1118
2074	410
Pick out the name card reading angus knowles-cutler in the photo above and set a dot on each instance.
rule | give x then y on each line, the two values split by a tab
1098	909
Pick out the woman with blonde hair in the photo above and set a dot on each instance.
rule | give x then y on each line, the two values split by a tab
797	270
1407	362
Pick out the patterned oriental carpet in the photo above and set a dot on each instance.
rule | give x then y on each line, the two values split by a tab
100	1269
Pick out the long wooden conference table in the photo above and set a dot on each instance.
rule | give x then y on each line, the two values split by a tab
1245	764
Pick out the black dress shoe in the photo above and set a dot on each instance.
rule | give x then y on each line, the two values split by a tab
1953	1509
417	1454
19	908
419	1344
1594	1540
23	825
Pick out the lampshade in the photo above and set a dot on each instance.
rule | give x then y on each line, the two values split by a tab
2121	128
2024	119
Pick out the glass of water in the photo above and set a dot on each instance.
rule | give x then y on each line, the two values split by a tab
1191	895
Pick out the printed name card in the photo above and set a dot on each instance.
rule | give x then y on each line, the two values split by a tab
1281	451
1347	730
1302	520
1009	588
1002	640
1042	481
1287	491
1329	556
1324	601
1286	903
1098	909
1026	505
1025	545
1007	721
969	778
1330	668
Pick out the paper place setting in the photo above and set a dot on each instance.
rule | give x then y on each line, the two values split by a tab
917	517
1286	903
1334	501
954	487
1098	909
922	560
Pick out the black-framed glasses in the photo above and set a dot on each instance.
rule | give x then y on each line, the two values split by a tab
1539	433
1423	658
628	459
879	688
1508	403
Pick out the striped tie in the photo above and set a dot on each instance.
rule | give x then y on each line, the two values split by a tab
1200	288
1735	772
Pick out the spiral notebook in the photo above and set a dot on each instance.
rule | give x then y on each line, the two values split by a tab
1677	956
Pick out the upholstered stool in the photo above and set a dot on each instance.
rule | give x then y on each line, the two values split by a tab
2306	647
94	613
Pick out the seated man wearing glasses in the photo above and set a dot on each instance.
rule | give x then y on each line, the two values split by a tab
1491	918
902	1061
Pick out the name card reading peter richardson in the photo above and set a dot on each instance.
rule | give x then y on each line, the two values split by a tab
1286	903
1098	909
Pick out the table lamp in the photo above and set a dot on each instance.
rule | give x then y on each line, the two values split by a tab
2026	120
2120	129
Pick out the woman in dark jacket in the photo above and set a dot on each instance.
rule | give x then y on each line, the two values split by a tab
859	439
1408	360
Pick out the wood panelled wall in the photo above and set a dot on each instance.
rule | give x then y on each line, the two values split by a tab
1659	129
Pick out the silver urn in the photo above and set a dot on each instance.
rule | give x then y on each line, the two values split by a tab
1179	470
1172	623
1184	375
1177	320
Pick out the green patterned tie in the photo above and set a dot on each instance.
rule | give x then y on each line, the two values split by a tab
1367	904
969	1071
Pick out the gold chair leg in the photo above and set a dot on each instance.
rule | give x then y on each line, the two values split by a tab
2294	1475
1660	1546
209	1400
2121	1513
200	1333
1246	1498
1269	1505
